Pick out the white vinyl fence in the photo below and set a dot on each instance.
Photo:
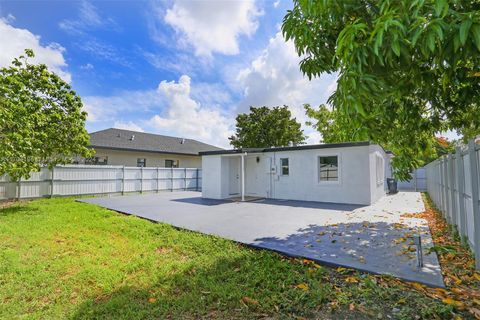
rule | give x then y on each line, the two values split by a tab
417	183
452	183
72	180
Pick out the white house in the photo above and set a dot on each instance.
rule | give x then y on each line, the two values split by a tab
353	173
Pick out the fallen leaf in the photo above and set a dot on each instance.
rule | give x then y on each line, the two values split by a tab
351	307
152	300
456	303
351	280
457	280
418	286
250	301
303	286
475	312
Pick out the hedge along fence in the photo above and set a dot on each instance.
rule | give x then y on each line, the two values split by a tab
72	180
453	185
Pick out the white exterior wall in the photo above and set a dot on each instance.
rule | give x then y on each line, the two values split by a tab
378	183
212	177
129	158
357	175
303	181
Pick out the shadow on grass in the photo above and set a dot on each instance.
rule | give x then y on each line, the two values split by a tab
215	291
18	209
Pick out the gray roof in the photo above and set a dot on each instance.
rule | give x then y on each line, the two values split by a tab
119	139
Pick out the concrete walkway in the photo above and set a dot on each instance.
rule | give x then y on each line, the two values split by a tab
372	238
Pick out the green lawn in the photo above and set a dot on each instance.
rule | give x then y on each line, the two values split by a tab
63	259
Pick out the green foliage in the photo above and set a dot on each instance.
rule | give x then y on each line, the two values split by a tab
335	127
41	119
408	69
264	127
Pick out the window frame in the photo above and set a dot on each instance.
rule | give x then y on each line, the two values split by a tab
174	163
339	171
144	162
94	161
282	166
379	169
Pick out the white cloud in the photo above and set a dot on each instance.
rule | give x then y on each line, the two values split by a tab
274	79
104	51
186	117
87	67
213	26
15	40
174	108
105	109
88	18
128	126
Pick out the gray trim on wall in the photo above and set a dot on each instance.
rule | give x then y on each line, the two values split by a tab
293	148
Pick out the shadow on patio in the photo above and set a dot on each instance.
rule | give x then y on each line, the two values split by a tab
378	247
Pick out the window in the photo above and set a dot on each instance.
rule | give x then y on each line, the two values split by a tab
97	160
172	163
380	168
328	168
284	165
141	162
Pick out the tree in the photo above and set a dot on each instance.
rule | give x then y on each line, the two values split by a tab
41	119
264	127
334	127
407	69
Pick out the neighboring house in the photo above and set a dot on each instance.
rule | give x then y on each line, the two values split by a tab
353	173
131	148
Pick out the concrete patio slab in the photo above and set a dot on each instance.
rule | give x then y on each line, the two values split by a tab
372	238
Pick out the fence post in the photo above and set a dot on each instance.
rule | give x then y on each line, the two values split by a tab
19	188
461	191
451	181
123	180
171	179
196	180
475	204
141	179
158	179
185	179
52	179
445	189
415	179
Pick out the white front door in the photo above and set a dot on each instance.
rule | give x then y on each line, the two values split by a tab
234	176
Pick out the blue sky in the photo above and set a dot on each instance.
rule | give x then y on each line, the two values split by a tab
183	68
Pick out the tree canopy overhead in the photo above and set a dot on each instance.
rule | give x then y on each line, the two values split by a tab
407	69
264	127
41	119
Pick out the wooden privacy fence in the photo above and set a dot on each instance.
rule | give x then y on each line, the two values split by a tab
452	183
72	180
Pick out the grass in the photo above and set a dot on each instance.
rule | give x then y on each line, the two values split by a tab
62	259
